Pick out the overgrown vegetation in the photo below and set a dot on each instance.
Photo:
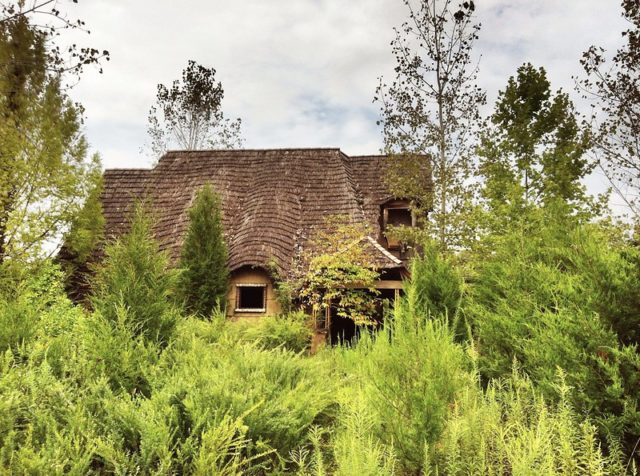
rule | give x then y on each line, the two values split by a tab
339	270
99	392
514	351
204	275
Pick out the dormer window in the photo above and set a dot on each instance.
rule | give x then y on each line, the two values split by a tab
395	214
251	298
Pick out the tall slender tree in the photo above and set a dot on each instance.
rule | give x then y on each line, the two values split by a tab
614	87
430	110
188	114
534	152
205	276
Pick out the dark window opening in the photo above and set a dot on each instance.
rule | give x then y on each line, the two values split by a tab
396	217
399	217
343	330
251	298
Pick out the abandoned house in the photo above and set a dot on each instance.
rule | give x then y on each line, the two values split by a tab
272	201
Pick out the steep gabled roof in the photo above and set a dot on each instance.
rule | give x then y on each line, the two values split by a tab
273	200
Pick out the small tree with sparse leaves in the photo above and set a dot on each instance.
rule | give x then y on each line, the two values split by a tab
614	89
430	113
188	114
340	271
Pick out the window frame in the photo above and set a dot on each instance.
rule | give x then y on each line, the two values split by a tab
395	205
255	310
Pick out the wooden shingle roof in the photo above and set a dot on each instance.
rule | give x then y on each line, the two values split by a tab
272	200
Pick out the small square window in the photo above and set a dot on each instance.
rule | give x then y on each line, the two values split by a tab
251	298
396	217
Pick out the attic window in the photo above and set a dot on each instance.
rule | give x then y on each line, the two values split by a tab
394	217
251	297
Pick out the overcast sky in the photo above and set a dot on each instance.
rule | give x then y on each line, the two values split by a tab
302	73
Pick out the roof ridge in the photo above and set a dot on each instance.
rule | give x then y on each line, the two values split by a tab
355	189
131	169
385	252
232	151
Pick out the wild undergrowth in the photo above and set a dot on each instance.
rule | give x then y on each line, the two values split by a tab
509	372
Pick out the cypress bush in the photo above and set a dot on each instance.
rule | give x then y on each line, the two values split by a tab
547	297
135	277
205	277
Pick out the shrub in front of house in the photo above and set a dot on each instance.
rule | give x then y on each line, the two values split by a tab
290	331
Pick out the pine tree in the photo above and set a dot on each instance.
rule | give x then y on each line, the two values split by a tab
205	276
135	277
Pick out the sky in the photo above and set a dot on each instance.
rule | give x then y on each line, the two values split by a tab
302	73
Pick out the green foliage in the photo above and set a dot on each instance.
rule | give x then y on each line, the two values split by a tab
289	331
284	288
92	393
340	270
135	280
435	286
281	394
537	298
510	429
409	375
205	277
429	114
535	152
29	303
44	174
82	393
87	227
82	242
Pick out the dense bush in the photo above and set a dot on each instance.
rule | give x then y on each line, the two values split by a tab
290	331
409	375
86	394
548	297
436	286
112	391
135	282
414	404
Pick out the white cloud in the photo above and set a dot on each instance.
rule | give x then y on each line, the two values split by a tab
302	73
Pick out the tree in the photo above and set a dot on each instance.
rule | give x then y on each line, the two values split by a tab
44	174
188	115
535	151
615	91
205	276
340	271
429	113
557	293
135	279
82	241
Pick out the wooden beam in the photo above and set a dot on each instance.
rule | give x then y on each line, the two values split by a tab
390	284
